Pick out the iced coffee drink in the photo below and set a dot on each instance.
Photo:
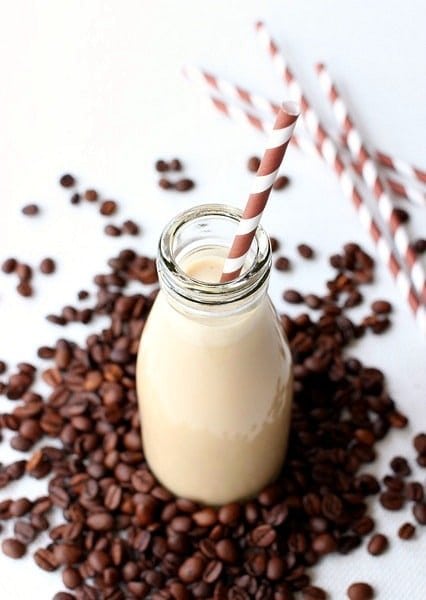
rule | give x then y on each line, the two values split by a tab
214	371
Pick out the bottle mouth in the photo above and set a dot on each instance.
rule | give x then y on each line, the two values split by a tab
205	227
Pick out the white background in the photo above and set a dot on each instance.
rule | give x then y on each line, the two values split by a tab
94	88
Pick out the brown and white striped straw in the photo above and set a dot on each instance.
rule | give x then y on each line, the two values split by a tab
254	110
374	181
268	170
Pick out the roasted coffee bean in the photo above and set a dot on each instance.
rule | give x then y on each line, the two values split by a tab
175	165
227	551
24	532
377	544
282	263
100	521
24	271
75	198
406	531
420	246
67	554
165	183
253	164
414	491
391	500
401	215
112	230
20	507
47	266
263	536
108	208
66	596
212	571
281	182
419	512
381	307
274	244
293	297
161	165
360	591
13	548
305	251
30	210
419	443
91	195
9	265
25	289
400	466
324	543
312	592
191	569
130	227
67	181
184	185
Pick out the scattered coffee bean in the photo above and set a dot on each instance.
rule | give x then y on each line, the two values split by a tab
83	295
381	307
360	591
130	227
401	215
419	443
282	263
274	244
377	544
30	210
3	367
165	183
406	531
312	592
67	181
305	251
313	301
414	491
47	266
112	230
175	165
24	289
400	466
91	195
24	271
161	166
419	512
75	198
293	297
13	548
9	265
108	207
184	185
280	183
253	164
420	246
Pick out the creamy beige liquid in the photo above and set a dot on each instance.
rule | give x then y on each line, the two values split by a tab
215	396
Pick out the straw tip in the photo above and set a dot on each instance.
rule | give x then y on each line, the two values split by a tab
319	67
259	24
291	108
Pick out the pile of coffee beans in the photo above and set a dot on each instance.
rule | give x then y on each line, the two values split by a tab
166	169
122	535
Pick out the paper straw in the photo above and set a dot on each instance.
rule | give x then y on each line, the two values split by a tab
239	104
373	180
261	188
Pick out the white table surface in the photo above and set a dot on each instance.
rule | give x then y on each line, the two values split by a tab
94	88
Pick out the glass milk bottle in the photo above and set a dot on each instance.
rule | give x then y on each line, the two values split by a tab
214	373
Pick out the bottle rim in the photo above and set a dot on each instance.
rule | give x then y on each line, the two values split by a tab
180	285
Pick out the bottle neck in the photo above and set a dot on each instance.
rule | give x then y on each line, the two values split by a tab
197	234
